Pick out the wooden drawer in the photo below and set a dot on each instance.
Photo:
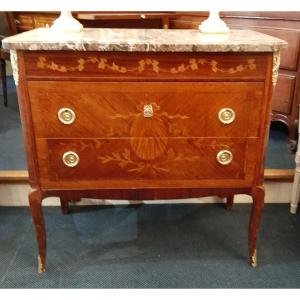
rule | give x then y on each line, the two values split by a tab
117	109
145	66
284	93
128	163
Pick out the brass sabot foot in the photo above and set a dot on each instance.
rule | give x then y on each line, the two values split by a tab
41	266
253	259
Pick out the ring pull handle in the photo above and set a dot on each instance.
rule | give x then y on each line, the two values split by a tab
226	115
148	111
224	157
66	115
70	159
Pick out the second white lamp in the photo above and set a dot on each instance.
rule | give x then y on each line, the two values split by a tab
66	23
213	24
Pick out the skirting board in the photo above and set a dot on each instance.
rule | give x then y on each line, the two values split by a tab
269	174
15	194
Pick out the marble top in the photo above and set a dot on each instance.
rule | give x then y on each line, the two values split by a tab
144	40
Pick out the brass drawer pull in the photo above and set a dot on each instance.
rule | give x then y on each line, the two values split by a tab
224	157
226	115
148	111
66	115
70	159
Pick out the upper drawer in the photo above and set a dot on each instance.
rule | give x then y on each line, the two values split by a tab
143	66
146	109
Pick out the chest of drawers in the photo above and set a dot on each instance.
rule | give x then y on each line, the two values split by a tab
144	114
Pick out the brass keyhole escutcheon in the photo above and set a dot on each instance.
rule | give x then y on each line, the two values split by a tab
66	115
148	111
70	159
226	115
224	157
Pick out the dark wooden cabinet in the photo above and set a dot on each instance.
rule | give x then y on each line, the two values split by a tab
286	97
23	21
284	25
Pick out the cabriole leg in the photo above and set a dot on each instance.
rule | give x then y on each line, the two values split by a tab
258	195
35	202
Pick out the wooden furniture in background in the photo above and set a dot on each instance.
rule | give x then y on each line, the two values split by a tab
125	19
284	25
113	125
4	56
24	21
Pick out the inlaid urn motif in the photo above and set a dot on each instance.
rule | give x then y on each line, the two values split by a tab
151	133
149	130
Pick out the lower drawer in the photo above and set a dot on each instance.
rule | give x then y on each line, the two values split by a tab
145	162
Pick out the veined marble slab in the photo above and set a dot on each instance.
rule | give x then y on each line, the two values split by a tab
144	40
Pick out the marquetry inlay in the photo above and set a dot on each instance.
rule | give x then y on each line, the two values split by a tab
194	64
126	161
148	64
156	126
